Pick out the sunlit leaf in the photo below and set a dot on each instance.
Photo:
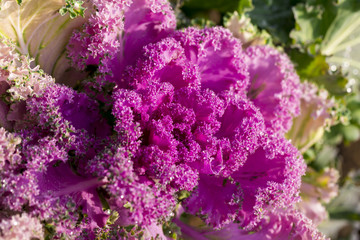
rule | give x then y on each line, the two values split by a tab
313	19
346	23
334	27
245	5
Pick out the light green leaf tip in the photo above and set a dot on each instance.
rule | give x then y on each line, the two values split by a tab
74	8
245	6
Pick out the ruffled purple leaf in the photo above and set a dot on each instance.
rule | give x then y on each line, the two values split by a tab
274	86
67	111
218	199
116	33
269	178
279	225
218	56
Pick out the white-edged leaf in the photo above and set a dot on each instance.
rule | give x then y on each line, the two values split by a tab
342	40
39	30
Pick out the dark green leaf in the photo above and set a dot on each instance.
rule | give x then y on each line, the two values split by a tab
349	215
274	16
222	6
309	66
335	84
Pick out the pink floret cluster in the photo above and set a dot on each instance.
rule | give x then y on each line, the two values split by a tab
162	113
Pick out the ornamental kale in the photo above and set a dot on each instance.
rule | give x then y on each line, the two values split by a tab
152	120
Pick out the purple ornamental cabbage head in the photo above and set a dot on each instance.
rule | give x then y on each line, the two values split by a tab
188	106
193	112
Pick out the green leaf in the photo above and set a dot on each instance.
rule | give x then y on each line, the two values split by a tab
334	28
314	68
245	5
19	2
309	66
324	157
213	10
351	132
309	155
335	84
49	231
343	26
349	215
307	20
313	19
74	8
183	195
202	23
63	11
40	31
355	116
274	16
222	6
342	40
73	15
